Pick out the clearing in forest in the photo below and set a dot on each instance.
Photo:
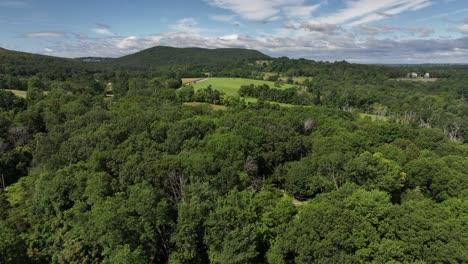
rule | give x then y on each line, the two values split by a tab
16	92
230	86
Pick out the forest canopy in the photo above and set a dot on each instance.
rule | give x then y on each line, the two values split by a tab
106	162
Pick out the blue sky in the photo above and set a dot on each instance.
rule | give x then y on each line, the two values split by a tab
362	31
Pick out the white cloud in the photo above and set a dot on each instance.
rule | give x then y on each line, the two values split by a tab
342	35
127	43
223	18
45	34
187	25
376	30
314	25
421	31
355	12
257	10
373	30
103	29
358	12
461	29
231	19
295	12
299	43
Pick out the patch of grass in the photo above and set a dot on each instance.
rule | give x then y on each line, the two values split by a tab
250	99
268	74
230	86
17	92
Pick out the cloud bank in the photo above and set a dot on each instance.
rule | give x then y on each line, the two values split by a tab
348	33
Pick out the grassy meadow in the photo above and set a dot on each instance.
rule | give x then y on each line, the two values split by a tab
230	86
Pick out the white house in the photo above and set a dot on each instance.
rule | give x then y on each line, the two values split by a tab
427	75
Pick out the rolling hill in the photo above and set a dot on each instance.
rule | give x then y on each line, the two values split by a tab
25	64
162	56
28	64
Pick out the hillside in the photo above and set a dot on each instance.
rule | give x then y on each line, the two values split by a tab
161	56
24	64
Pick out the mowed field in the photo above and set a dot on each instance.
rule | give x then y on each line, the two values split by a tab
16	92
230	86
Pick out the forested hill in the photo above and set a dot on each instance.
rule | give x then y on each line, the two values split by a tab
22	64
161	56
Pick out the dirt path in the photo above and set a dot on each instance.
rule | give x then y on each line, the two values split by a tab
202	80
194	82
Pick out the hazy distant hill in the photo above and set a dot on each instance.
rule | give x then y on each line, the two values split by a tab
167	56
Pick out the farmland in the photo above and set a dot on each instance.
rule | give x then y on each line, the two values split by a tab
230	86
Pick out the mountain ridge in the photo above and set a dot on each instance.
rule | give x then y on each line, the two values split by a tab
155	57
172	56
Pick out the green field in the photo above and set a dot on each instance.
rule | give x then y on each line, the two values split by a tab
230	86
17	92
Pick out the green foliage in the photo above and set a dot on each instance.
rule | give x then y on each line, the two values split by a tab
124	255
168	56
8	101
11	245
145	177
239	227
354	226
121	85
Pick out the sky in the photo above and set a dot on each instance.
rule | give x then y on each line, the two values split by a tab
358	31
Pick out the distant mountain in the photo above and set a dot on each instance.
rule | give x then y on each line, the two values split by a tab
24	64
17	63
94	59
19	55
161	56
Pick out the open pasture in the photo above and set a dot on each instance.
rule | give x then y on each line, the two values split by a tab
230	86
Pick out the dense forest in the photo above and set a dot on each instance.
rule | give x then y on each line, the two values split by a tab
109	161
